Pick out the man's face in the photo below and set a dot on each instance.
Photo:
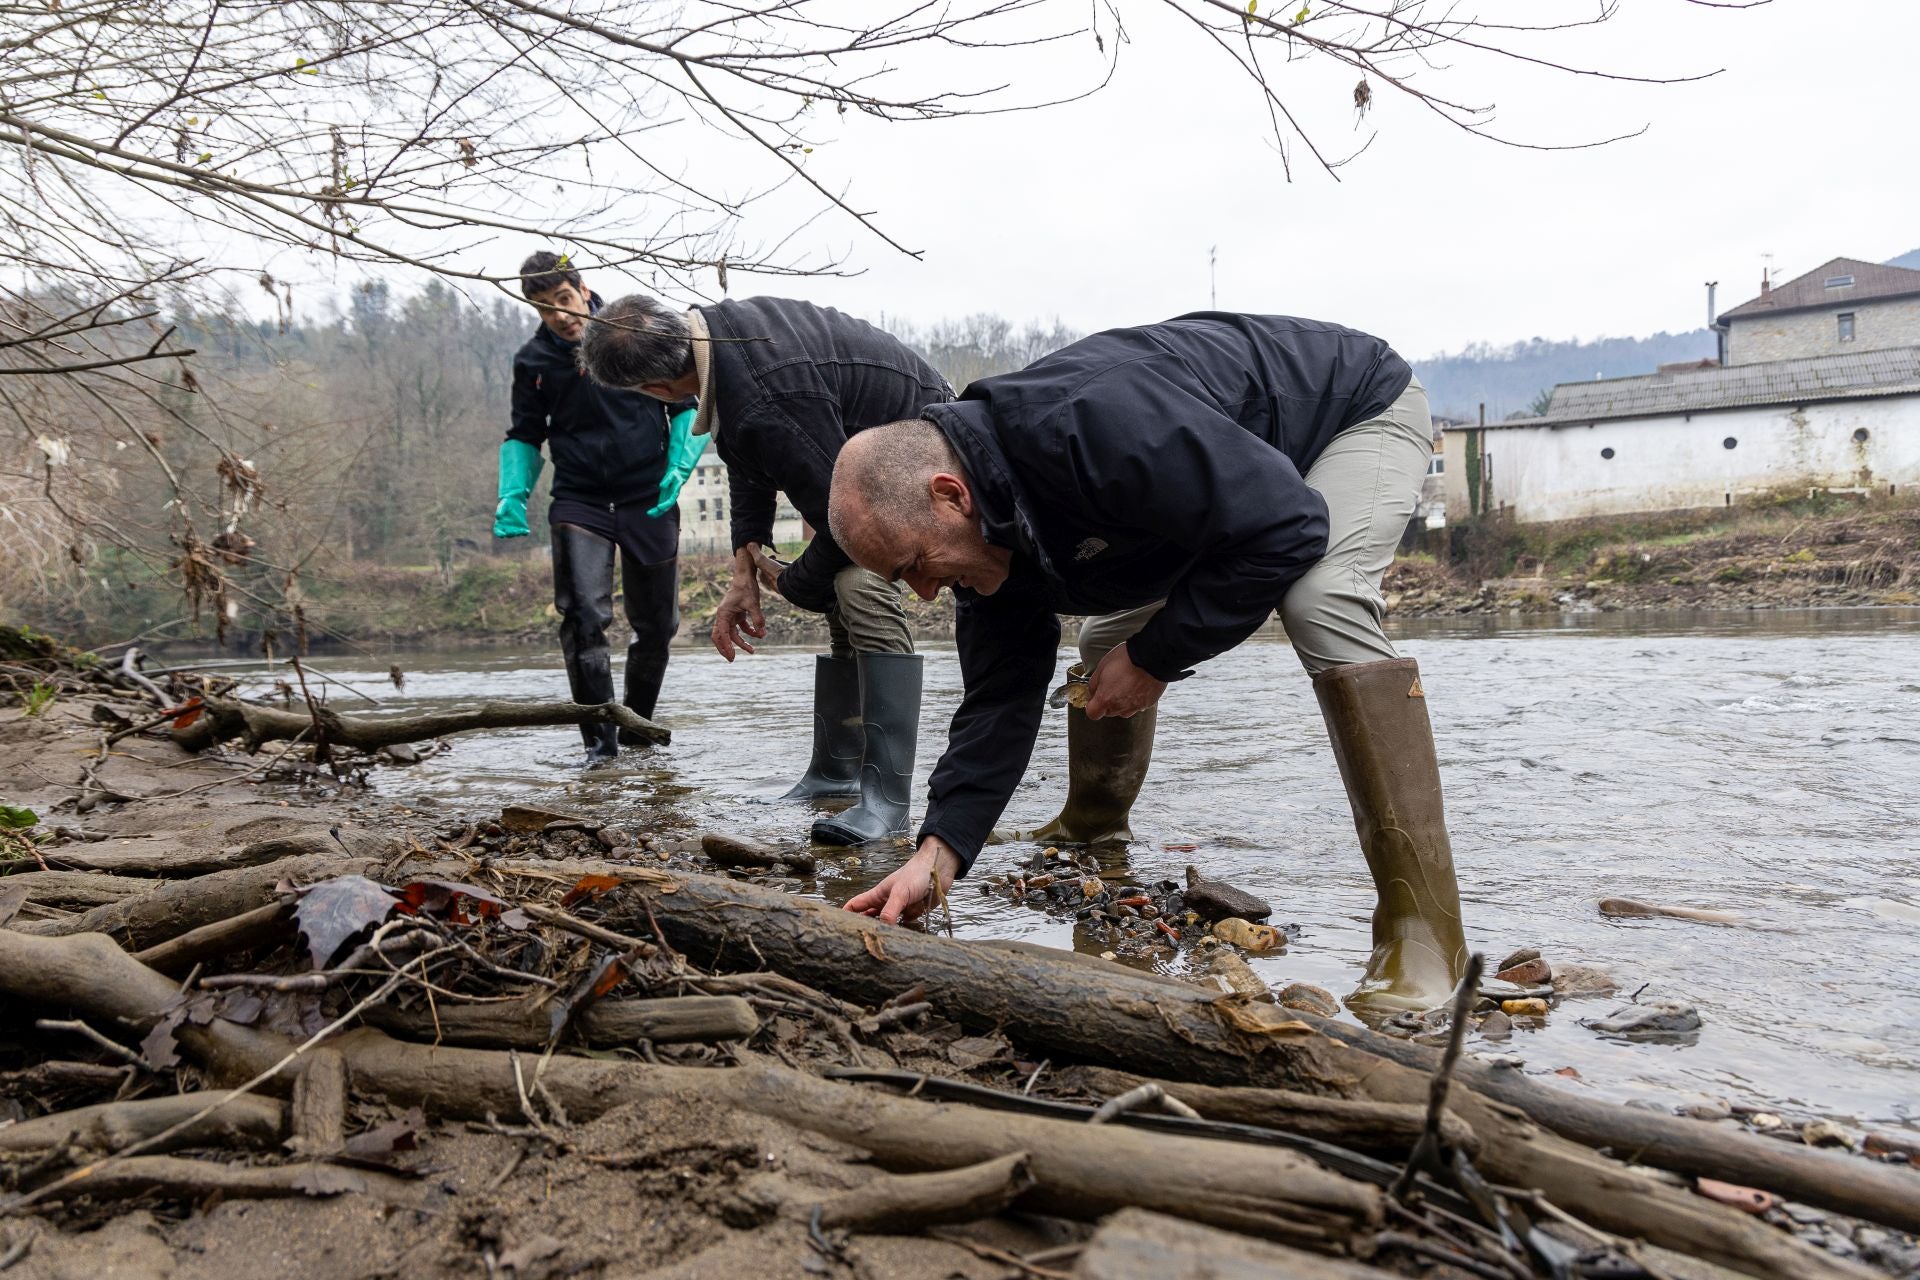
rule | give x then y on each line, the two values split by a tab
947	551
563	309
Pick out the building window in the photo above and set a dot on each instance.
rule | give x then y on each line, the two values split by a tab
1437	467
1729	443
703	508
1607	453
719	509
1846	326
1839	282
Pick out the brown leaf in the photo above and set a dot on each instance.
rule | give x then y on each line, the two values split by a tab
875	948
975	1051
589	886
449	898
336	911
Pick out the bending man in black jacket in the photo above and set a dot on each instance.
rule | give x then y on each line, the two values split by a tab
1178	482
782	385
614	485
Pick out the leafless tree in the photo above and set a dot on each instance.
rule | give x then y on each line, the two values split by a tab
163	154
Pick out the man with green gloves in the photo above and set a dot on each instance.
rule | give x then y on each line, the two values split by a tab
619	459
782	385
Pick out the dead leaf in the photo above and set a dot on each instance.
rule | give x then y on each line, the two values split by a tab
1259	1019
385	1139
976	1051
450	899
875	948
1747	1199
587	887
336	911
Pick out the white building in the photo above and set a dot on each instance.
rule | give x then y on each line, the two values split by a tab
1840	413
705	527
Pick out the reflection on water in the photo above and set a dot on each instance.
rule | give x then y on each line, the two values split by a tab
1760	763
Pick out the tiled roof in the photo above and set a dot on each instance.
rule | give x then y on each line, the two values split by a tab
1871	280
1853	375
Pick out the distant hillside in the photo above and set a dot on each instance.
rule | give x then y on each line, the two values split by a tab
1507	379
1910	260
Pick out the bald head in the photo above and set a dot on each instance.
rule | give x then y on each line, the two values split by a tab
903	507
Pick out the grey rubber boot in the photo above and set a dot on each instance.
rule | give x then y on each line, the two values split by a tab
838	739
890	715
1376	714
1106	765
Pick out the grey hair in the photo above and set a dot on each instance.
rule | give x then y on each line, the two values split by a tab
880	478
636	340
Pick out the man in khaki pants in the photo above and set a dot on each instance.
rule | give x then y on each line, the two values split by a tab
1177	483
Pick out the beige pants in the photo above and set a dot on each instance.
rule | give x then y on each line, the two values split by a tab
1370	476
867	615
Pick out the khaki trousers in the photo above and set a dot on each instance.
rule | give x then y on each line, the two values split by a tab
867	615
1370	476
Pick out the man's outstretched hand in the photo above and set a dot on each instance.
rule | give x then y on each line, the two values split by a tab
739	613
909	892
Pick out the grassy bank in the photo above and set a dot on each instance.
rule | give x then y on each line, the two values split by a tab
1793	552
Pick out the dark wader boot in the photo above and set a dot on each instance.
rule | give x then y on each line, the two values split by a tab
890	715
650	595
583	595
839	741
1376	714
1106	764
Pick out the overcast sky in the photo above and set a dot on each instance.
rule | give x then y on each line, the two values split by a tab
1102	212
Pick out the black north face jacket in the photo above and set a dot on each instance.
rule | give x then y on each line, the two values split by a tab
1136	465
790	381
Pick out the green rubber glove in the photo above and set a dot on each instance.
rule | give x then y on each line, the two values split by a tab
683	454
520	465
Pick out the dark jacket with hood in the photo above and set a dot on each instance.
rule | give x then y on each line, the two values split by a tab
790	381
609	447
1163	462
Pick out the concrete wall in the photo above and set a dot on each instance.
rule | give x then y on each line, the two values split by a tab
1679	462
706	525
1876	327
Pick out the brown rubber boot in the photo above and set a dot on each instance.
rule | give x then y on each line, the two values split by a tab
1106	764
1376	714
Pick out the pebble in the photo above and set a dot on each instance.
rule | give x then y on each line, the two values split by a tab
1528	973
1308	998
528	818
1708	1109
1764	1120
1239	977
1218	900
1656	1017
1255	938
1825	1133
1528	1008
1496	1025
1893	1144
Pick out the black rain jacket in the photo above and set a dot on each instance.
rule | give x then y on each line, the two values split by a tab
1135	465
609	447
790	381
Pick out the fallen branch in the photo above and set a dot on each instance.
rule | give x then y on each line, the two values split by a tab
182	863
907	1202
318	1113
257	1123
259	927
524	1024
176	907
176	1178
226	718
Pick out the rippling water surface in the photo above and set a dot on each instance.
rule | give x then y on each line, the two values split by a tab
1767	764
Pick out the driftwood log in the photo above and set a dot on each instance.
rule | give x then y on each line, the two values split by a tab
227	718
317	1114
907	1202
197	1179
260	927
1080	1171
526	1024
61	890
248	1122
1108	1015
182	863
174	907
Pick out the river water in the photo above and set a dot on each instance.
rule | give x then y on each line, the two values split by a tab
1766	764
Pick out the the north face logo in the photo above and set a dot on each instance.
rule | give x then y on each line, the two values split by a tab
1090	548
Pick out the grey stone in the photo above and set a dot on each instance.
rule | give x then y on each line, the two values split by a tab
1656	1017
1216	899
